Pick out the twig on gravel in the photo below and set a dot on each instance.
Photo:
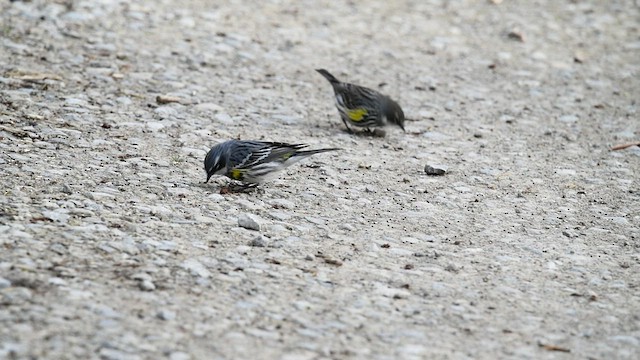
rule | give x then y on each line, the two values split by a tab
166	99
554	348
329	260
16	132
624	146
32	76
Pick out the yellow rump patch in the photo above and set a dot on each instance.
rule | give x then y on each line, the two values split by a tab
236	174
357	114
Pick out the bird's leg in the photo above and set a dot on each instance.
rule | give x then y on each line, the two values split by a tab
347	126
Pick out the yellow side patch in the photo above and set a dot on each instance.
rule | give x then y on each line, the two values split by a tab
357	114
236	174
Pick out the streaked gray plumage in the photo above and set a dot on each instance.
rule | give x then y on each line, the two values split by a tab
253	162
363	107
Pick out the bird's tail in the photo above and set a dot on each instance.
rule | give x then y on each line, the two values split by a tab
306	153
332	79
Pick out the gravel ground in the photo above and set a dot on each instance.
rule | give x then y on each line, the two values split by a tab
113	248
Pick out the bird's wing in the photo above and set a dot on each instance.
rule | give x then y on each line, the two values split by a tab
355	96
264	152
360	104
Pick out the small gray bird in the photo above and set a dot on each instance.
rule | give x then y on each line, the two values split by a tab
363	107
253	162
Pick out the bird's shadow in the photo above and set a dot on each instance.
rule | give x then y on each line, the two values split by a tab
231	188
367	133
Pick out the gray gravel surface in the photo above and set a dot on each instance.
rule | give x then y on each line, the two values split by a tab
112	247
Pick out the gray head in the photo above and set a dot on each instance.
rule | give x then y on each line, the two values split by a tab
392	111
215	163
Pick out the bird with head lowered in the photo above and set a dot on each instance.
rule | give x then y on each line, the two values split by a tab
363	107
254	162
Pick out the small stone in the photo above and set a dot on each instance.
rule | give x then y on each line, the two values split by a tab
57	281
154	125
569	118
516	34
279	215
82	213
216	198
124	100
315	220
4	283
166	315
58	248
223	118
75	102
15	296
435	170
282	204
196	268
347	227
146	285
59	215
452	268
508	119
259	241
249	221
165	111
179	355
127	245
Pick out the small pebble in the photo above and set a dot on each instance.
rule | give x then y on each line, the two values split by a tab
435	170
166	315
4	283
146	285
259	241
179	355
452	268
249	221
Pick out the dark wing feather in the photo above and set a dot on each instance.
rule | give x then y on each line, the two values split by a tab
264	152
357	97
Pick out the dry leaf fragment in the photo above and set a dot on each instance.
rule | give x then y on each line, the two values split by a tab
550	347
166	99
624	146
334	262
32	76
